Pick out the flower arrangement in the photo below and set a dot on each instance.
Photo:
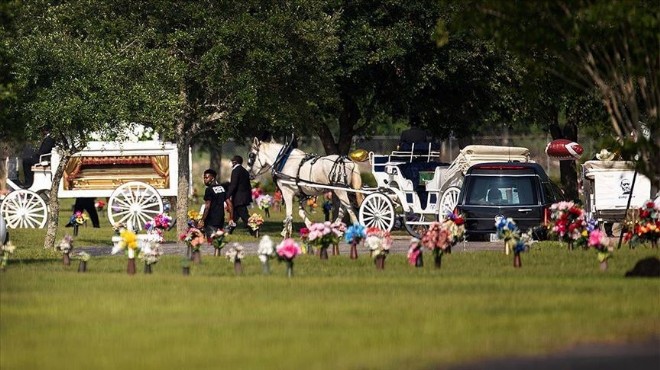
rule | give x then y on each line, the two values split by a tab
286	251
82	256
568	221
128	242
353	236
78	218
194	238
151	251
304	236
378	241
255	221
99	205
193	218
415	253
161	222
355	233
264	201
455	225
6	249
217	239
645	226
438	240
508	231
265	252
513	239
66	245
323	234
235	253
599	241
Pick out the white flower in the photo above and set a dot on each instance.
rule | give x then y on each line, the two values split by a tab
9	247
235	253
266	249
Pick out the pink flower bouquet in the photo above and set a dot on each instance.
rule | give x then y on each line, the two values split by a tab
286	251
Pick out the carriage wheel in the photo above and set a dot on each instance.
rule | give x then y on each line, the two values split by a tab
377	210
418	224
449	200
133	204
24	209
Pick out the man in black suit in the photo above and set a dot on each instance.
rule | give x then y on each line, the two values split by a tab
240	192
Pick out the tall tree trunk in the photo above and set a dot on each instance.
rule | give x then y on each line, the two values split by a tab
215	161
182	144
53	202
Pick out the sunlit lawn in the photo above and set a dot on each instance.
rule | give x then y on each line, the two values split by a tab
335	314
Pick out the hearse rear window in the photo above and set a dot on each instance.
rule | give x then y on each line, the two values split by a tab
501	190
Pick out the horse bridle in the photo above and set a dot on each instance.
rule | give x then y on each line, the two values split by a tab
252	157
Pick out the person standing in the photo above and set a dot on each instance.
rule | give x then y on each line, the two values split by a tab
240	192
215	197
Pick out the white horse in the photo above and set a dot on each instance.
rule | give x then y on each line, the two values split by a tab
294	172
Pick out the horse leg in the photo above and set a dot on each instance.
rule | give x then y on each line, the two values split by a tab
287	198
303	213
345	204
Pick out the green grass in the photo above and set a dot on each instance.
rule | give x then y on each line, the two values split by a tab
335	314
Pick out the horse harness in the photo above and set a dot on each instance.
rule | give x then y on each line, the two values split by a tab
337	175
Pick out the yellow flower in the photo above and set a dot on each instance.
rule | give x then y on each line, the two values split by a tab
585	233
129	239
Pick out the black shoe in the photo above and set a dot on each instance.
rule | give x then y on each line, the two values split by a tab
230	229
69	225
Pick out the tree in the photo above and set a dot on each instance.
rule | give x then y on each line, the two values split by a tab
608	45
188	69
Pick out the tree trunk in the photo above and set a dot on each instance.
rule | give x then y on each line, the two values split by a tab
53	202
183	139
215	162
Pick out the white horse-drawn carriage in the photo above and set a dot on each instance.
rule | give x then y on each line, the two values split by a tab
417	190
133	175
411	185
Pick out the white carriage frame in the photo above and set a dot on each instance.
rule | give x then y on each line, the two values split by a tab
131	202
443	189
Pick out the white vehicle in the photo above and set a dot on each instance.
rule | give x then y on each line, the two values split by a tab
134	175
416	189
608	185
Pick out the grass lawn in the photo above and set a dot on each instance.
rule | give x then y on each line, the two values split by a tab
335	314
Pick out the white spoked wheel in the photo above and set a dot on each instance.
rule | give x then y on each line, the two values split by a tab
24	209
377	210
133	204
449	200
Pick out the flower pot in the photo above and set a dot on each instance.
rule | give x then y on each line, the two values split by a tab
323	253
216	252
310	249
380	262
437	260
517	262
147	268
265	268
289	268
570	245
238	267
130	267
256	233
75	230
603	265
189	252
82	266
354	253
335	249
419	260
66	260
654	243
196	257
185	270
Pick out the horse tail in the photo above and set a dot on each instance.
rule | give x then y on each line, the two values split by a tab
356	183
